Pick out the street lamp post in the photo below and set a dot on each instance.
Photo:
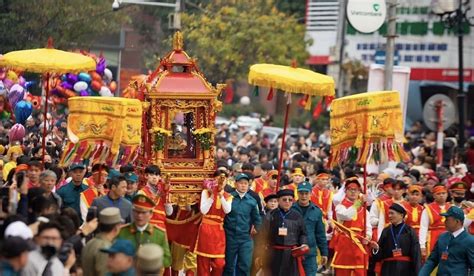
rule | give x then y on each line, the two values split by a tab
453	13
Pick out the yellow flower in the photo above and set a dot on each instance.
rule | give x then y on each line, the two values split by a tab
201	131
160	130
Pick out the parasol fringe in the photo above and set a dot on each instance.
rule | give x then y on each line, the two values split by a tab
97	151
255	91
307	105
376	151
270	94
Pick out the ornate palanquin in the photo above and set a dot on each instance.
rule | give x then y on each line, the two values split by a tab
178	123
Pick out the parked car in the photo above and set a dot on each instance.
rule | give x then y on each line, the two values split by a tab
250	123
274	133
221	120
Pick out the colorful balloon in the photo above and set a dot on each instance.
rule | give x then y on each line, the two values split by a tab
67	93
21	81
34	100
11	75
113	86
80	85
67	85
16	133
84	93
100	67
71	78
16	94
95	76
105	92
23	110
96	85
29	84
8	83
3	90
108	75
84	77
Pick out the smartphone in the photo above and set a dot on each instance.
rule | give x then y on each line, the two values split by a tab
91	213
4	197
20	178
64	251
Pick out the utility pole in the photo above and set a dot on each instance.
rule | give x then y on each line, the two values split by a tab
461	96
340	44
390	46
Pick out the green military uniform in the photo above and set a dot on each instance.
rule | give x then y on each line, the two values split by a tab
237	226
71	195
151	234
453	255
94	262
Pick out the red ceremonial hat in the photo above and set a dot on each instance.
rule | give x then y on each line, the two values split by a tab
439	189
415	188
323	176
143	202
353	183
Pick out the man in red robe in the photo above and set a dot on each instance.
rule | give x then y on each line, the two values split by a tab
413	207
211	241
432	223
351	256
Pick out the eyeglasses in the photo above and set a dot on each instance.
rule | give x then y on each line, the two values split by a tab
139	212
287	199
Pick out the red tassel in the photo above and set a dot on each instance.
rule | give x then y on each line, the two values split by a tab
318	109
329	100
270	94
302	102
229	94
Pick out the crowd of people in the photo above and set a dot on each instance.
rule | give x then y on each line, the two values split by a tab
92	219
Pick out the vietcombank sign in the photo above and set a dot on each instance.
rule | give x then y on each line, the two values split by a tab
366	16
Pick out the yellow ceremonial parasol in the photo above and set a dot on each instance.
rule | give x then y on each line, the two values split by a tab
47	61
366	128
290	80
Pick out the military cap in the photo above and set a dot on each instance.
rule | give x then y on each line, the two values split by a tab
130	176
454	212
149	258
110	215
305	186
458	186
142	202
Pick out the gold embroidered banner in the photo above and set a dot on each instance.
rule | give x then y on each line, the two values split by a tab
104	129
367	128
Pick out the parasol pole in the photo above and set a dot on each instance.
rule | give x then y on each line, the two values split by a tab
283	142
366	266
285	125
45	118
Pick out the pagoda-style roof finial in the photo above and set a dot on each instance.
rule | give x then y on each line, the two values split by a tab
178	41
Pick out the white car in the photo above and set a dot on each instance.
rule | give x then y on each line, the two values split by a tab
249	123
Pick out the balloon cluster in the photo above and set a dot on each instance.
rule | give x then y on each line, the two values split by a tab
16	100
94	83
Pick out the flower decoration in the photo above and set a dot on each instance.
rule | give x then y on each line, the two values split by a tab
204	137
160	135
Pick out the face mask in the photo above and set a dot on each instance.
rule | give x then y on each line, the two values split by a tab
458	199
48	251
